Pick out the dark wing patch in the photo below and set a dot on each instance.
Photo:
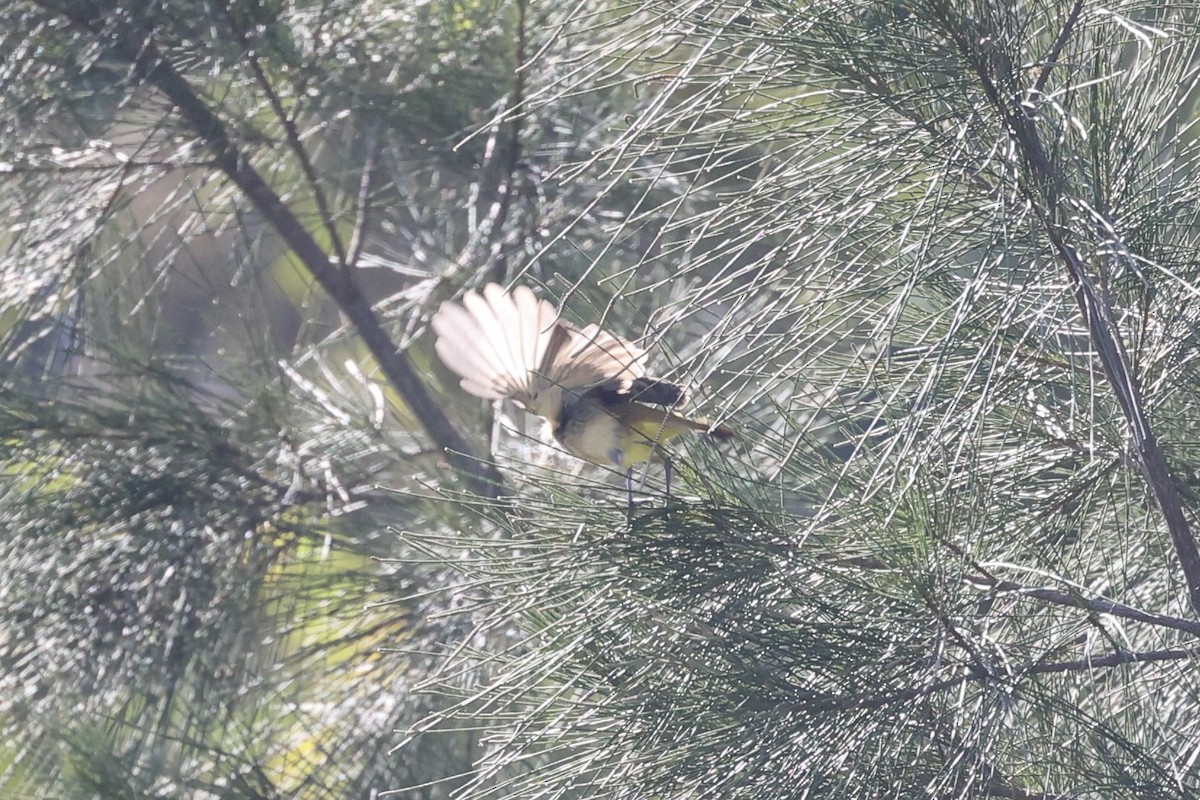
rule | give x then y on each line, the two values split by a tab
657	392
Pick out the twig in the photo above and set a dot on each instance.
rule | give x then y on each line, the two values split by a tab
1109	607
488	232
1111	660
363	204
293	137
1009	677
1051	60
516	104
984	579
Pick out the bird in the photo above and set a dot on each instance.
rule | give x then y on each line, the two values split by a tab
590	386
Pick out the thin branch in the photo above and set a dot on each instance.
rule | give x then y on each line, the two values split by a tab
944	621
984	577
981	578
489	232
516	105
362	205
165	165
1011	677
1059	597
1111	660
138	48
292	134
1051	60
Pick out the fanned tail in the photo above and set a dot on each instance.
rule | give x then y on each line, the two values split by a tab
495	342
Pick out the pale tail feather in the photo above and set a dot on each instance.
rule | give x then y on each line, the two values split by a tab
456	331
499	332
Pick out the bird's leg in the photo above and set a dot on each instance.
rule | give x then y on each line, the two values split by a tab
669	469
629	487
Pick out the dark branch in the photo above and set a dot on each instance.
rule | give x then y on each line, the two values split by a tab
139	49
1109	607
1044	193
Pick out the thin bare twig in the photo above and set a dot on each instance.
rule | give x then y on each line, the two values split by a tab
362	205
292	134
1010	677
1112	608
983	579
1112	660
488	234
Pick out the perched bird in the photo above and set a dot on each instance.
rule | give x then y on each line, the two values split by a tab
588	384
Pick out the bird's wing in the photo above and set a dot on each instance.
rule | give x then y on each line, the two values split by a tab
512	345
591	356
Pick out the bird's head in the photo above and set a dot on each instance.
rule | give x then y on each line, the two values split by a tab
544	400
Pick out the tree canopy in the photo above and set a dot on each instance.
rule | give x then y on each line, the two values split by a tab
934	262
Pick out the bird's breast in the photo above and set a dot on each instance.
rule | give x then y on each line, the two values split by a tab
589	431
592	435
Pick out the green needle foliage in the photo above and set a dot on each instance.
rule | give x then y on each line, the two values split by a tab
937	262
934	262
